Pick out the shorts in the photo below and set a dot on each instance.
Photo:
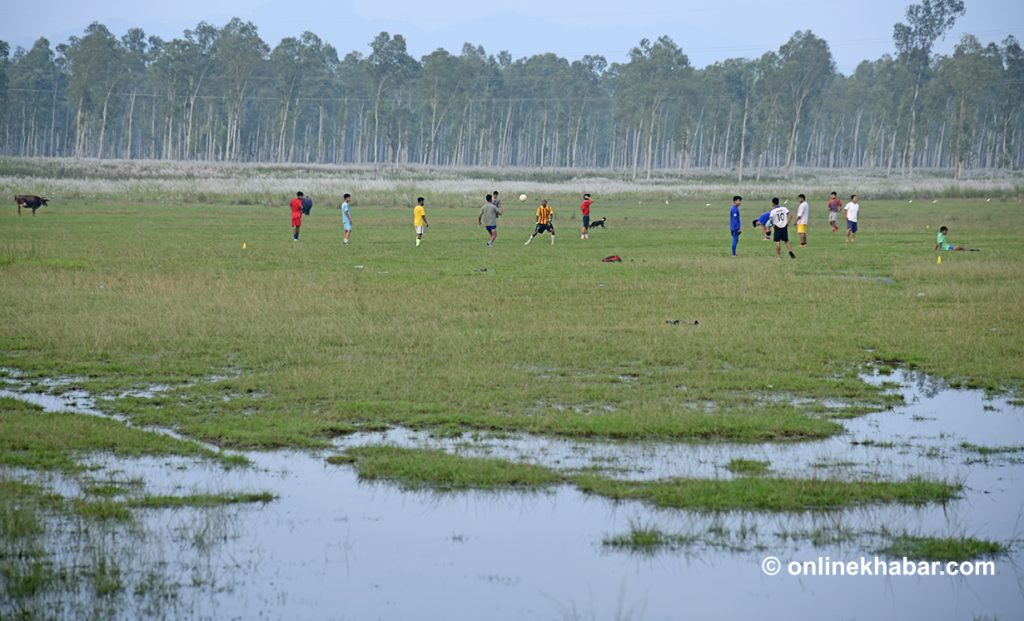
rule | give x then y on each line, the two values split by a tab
832	217
491	228
801	228
948	247
852	225
419	229
296	220
781	234
346	225
586	222
544	227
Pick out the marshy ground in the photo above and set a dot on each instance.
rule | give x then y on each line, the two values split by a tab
193	429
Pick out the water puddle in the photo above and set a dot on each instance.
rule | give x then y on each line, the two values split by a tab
331	547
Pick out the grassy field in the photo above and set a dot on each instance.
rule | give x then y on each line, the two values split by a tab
287	344
191	308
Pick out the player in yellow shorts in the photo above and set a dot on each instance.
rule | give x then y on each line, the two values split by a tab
801	220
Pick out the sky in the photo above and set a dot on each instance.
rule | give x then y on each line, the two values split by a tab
707	31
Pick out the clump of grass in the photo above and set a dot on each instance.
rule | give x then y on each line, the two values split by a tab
20	505
436	469
106	576
943	548
101	510
768	494
748	467
32	438
25	568
874	443
342	459
111	487
991	450
820	535
200	500
647	540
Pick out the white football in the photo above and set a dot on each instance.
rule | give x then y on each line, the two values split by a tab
522	197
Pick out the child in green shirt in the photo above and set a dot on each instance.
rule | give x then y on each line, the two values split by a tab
941	243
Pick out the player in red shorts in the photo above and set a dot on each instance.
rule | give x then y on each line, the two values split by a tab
296	206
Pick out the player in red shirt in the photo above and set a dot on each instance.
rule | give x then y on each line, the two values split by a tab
296	206
585	210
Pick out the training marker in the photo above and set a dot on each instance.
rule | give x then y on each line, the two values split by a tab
243	245
938	260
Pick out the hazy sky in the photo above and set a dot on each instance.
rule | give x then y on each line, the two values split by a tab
707	31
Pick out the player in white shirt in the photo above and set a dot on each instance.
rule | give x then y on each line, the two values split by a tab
779	217
801	220
852	209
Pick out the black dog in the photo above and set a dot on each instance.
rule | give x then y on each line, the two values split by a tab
598	223
29	201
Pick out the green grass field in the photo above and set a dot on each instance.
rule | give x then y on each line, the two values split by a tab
287	344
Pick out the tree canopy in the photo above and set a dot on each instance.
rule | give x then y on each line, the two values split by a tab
222	93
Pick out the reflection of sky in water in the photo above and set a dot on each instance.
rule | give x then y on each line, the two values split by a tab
333	548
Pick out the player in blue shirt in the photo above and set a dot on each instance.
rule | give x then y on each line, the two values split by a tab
346	217
764	221
734	222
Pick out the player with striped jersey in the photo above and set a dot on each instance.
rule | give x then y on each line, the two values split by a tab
544	222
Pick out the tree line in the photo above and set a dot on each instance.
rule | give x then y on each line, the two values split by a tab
222	94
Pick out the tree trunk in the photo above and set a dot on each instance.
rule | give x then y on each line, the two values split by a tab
791	150
743	136
131	115
650	141
79	138
284	124
912	138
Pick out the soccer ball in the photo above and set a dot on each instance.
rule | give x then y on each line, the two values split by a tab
522	197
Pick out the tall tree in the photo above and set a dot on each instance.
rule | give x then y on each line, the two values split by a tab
5	54
136	58
656	73
237	55
34	76
803	67
959	75
391	68
926	23
96	67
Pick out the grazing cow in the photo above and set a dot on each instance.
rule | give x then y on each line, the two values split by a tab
30	201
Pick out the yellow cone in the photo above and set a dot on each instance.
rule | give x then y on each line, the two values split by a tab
243	245
938	260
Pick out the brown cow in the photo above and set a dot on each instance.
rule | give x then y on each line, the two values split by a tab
30	201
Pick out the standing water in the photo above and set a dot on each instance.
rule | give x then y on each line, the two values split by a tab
332	547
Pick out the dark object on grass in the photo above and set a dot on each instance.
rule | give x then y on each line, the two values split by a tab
685	322
612	259
483	269
598	224
30	201
307	205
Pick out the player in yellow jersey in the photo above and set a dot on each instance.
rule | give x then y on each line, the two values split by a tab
544	222
419	219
